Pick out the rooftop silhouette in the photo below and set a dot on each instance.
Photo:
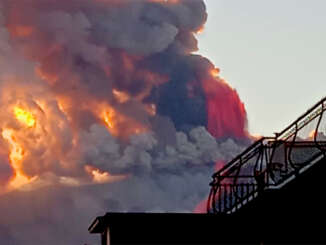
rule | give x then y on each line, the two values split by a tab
271	193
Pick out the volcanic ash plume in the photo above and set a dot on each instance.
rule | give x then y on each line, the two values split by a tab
104	107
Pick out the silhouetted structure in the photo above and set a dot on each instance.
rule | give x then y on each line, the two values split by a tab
272	193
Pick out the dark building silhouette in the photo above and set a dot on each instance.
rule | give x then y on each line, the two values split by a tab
272	193
293	215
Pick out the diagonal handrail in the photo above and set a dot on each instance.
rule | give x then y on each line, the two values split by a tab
269	162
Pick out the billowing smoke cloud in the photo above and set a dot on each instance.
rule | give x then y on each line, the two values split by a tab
105	108
61	214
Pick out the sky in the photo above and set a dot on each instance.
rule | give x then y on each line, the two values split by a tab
272	52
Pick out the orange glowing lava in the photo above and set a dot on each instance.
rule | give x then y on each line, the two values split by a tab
312	134
16	156
99	176
120	96
120	125
200	30
109	118
215	72
24	117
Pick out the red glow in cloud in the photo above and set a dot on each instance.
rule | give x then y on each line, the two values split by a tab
219	164
201	208
226	113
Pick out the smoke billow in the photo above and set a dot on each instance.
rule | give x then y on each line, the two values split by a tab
104	107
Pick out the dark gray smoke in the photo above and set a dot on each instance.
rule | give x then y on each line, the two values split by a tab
61	215
64	61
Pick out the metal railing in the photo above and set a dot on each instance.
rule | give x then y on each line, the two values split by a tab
270	162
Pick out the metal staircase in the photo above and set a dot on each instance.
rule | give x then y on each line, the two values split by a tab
270	162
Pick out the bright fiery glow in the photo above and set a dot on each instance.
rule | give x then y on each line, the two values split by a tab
16	156
119	124
120	96
109	118
24	116
46	121
99	176
215	72
200	30
255	137
312	134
